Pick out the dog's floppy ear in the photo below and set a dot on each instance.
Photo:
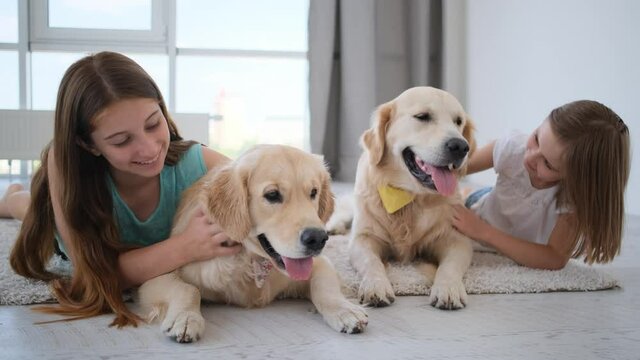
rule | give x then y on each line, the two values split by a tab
327	200
374	139
468	132
228	202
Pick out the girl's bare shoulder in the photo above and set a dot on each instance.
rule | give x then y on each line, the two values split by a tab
213	158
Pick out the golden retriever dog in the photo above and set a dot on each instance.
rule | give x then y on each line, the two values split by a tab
406	184
275	201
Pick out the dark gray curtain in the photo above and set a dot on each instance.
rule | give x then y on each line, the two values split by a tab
363	53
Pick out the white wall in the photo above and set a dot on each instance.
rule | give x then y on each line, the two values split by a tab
525	57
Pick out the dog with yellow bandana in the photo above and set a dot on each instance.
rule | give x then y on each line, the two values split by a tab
406	184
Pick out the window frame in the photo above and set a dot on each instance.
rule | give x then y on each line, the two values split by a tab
35	35
42	37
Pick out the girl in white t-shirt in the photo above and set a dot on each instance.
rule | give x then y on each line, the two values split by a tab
559	193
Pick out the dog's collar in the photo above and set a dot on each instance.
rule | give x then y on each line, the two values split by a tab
394	199
261	269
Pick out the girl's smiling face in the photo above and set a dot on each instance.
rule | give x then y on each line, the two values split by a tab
544	159
133	136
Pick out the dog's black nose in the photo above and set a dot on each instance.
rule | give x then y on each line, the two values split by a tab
458	148
314	238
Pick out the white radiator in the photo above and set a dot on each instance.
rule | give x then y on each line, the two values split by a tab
24	133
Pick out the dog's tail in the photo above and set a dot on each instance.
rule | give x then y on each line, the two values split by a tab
340	221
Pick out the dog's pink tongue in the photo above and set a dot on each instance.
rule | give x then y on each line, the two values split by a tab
443	178
298	269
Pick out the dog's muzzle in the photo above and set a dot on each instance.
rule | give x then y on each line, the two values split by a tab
438	176
313	241
456	150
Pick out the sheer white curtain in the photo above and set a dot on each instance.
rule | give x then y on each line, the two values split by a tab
363	53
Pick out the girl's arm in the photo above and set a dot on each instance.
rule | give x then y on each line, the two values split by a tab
202	240
482	159
553	256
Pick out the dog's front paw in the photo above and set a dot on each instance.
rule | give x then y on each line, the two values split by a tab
337	228
448	294
340	221
376	291
347	318
184	327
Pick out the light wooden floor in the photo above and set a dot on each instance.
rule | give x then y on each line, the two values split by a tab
589	325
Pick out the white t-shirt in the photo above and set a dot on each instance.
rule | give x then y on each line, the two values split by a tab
513	205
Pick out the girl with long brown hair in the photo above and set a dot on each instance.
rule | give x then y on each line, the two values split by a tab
107	189
559	192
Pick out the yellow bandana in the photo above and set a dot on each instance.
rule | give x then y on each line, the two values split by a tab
394	199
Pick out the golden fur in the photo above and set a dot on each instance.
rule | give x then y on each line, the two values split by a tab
237	197
424	120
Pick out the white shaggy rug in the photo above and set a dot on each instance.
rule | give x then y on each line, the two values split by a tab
489	274
15	289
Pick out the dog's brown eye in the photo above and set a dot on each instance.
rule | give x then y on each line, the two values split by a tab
314	192
273	196
423	116
458	121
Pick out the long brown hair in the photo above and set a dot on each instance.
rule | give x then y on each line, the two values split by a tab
87	88
597	167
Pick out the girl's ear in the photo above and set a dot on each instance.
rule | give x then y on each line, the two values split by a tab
89	148
228	203
374	139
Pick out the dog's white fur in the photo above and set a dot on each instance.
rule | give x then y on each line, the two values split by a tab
422	229
235	197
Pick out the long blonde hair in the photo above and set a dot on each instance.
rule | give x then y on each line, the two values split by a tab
597	166
87	88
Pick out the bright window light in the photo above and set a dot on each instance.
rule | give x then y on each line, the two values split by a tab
9	75
111	14
242	24
251	100
8	21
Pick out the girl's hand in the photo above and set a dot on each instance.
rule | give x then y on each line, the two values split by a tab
470	224
204	239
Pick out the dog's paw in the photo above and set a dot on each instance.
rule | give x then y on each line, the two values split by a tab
336	228
376	292
347	318
184	327
340	221
448	295
338	225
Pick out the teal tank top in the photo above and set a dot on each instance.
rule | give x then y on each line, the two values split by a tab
173	181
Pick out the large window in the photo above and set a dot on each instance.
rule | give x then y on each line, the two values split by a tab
9	75
243	62
9	21
242	24
9	95
112	14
